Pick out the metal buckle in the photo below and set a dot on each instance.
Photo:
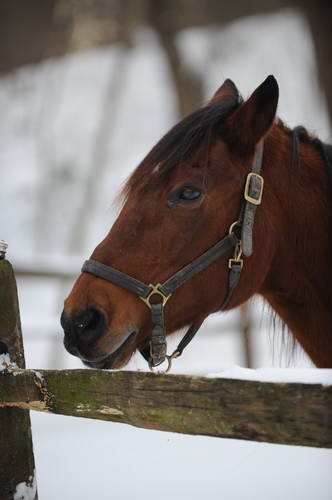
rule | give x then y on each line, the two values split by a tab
236	260
155	291
247	197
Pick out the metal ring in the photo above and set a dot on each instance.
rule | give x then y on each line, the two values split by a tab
232	226
155	291
169	359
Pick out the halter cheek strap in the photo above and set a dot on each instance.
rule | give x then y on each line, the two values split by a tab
253	192
156	296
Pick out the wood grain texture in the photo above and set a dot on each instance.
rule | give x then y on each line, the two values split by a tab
285	413
16	453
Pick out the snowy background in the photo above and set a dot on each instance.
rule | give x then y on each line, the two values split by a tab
61	129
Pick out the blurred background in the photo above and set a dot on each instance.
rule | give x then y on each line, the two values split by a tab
86	89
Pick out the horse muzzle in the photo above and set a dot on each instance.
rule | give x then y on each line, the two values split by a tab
86	336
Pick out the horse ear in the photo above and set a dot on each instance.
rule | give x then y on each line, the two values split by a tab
253	119
228	88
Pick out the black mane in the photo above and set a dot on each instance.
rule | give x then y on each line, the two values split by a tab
185	138
299	134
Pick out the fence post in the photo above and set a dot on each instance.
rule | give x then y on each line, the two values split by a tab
17	465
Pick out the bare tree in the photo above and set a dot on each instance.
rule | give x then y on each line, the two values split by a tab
33	30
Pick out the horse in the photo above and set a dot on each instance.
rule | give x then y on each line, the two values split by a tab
228	204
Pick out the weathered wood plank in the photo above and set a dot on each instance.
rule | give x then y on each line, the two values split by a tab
17	467
285	413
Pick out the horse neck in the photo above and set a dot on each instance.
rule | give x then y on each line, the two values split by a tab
298	282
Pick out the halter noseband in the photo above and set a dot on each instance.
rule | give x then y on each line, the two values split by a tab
157	351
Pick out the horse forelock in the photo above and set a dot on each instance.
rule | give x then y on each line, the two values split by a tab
193	132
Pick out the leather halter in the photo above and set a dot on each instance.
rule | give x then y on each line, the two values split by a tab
156	353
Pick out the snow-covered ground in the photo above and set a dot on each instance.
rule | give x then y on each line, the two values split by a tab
79	459
48	126
303	375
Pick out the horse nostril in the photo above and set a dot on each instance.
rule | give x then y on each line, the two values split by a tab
89	325
88	320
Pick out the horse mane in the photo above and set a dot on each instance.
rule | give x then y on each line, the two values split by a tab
289	347
184	139
284	345
300	134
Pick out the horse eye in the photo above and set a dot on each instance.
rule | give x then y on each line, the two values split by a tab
186	195
189	194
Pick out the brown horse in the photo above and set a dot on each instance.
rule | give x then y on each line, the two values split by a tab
181	201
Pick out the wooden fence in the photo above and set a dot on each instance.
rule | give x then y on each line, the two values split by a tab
285	413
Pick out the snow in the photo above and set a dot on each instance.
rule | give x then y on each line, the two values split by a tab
95	459
305	376
6	363
26	490
39	375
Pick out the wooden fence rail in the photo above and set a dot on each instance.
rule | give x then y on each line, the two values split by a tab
285	413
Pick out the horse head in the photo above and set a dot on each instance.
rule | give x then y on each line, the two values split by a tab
180	201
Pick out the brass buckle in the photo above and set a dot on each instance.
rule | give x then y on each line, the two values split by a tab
254	201
155	291
236	260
